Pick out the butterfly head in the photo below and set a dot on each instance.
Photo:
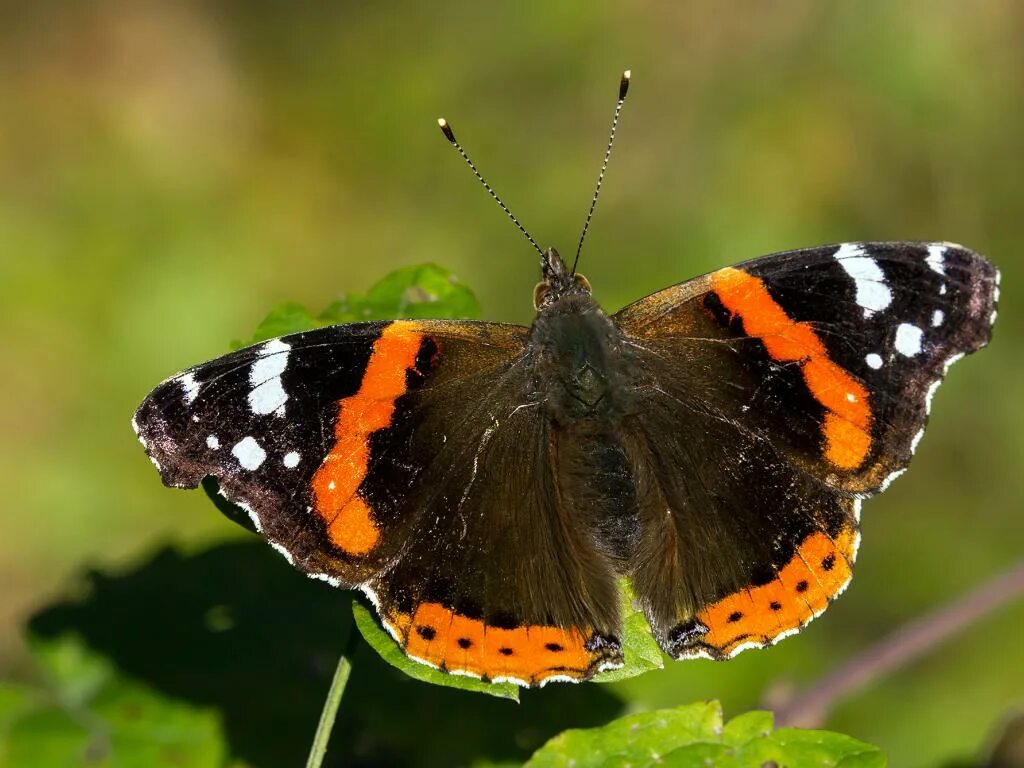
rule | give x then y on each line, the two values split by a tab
557	281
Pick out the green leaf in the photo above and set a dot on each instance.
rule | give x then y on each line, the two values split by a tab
287	317
388	649
87	714
638	739
421	291
748	726
640	650
695	735
795	747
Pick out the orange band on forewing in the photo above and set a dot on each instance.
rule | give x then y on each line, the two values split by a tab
354	529
838	391
846	445
457	643
802	589
847	424
350	523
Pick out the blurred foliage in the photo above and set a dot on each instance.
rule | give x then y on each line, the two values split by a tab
235	629
87	713
170	169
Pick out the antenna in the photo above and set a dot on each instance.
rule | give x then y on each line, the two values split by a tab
623	88
450	135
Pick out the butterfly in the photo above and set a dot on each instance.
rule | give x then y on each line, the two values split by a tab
488	486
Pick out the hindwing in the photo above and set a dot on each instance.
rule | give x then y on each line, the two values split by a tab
773	396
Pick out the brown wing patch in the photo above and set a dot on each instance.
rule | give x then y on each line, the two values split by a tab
847	426
350	523
529	655
818	571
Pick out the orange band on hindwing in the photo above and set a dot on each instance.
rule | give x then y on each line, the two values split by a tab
456	643
802	589
846	428
350	523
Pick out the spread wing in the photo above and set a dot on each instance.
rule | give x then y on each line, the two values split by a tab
409	460
794	385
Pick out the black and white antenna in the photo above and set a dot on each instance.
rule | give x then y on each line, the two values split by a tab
450	135
623	89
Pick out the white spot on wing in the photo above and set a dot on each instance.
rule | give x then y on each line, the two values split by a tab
291	460
212	442
268	395
190	387
874	361
908	339
873	295
249	453
936	259
937	317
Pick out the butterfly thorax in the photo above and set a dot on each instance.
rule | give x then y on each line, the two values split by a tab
576	351
577	363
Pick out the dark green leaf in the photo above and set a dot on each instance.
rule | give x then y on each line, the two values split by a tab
384	644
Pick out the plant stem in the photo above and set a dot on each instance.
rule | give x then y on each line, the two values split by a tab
808	708
330	710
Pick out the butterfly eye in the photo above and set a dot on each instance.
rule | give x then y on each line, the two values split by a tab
583	283
539	292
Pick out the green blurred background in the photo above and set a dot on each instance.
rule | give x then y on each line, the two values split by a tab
171	170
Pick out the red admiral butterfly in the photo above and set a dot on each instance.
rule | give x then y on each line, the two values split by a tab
488	485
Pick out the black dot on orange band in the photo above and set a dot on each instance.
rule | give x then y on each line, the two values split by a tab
465	642
775	605
505	651
829	562
553	647
734	617
801	586
426	632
